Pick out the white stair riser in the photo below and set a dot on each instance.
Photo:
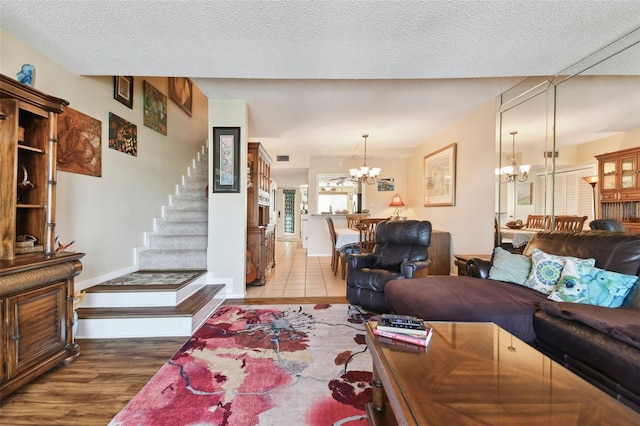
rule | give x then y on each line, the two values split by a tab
186	216
115	328
131	299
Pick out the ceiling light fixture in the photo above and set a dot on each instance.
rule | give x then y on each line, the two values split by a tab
513	172
365	173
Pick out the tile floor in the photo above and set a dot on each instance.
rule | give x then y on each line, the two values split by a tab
297	275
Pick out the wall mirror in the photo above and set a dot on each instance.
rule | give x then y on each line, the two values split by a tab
562	121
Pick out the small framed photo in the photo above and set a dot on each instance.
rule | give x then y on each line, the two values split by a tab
440	177
123	90
226	159
386	184
181	92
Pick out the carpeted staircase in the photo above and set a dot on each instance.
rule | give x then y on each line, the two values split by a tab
179	240
178	244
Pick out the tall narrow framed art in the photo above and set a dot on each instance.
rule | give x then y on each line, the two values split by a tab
226	159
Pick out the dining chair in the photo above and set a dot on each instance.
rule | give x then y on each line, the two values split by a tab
334	251
570	223
537	221
368	233
353	221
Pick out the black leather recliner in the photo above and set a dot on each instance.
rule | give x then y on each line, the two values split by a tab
401	250
607	225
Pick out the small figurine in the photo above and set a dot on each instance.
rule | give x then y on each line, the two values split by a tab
28	75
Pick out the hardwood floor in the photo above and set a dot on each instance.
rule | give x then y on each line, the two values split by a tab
110	372
105	377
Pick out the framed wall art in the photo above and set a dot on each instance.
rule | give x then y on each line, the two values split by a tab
181	92
226	159
440	177
524	192
123	135
79	143
386	184
155	109
123	90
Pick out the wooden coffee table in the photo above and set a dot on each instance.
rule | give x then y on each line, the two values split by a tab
478	373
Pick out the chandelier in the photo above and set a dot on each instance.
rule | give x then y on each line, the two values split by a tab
365	173
513	172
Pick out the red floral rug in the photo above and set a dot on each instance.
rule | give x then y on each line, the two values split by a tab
263	365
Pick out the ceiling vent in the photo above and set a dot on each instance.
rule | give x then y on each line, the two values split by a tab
282	158
551	154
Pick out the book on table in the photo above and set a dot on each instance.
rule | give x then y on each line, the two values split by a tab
403	337
402	324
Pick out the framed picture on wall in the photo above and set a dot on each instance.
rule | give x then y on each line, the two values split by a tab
226	159
123	90
440	177
525	191
181	92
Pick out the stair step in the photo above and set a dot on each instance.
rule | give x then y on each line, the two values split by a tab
182	228
172	259
190	204
165	321
186	215
163	241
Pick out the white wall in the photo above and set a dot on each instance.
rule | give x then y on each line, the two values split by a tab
470	221
107	216
228	211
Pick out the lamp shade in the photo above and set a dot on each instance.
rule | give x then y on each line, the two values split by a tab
396	201
591	180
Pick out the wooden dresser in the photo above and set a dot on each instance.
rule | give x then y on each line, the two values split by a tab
36	284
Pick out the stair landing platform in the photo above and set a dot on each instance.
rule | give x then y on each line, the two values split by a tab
148	304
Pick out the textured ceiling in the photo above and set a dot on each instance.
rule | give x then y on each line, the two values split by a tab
316	75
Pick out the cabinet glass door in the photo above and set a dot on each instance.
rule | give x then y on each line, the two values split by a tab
609	174
629	167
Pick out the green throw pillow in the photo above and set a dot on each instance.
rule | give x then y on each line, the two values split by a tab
546	269
509	267
592	286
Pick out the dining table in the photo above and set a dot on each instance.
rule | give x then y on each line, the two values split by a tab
346	236
517	237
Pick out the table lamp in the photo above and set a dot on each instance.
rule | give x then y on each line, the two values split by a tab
396	202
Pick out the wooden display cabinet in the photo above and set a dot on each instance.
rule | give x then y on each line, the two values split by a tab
36	284
260	233
619	184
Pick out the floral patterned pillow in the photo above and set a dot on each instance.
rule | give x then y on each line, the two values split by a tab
546	270
592	286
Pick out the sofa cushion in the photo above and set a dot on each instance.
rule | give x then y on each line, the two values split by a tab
546	270
509	267
620	323
593	286
467	299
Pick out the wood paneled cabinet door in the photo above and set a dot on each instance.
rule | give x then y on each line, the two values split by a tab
31	331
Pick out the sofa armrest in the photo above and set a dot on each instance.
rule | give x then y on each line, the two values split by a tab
357	260
478	268
409	268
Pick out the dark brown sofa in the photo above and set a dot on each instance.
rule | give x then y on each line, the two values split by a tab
600	344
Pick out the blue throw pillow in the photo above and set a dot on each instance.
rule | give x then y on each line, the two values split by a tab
509	267
546	270
592	286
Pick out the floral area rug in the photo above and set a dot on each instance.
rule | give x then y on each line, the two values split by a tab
263	365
